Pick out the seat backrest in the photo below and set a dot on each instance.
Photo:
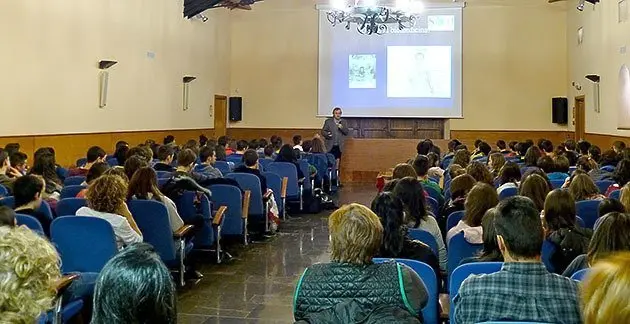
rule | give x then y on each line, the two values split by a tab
155	225
430	312
229	196
507	193
453	219
71	191
615	194
163	174
459	249
31	222
588	210
81	162
8	201
579	221
464	271
424	237
603	185
74	181
435	206
288	170
3	191
85	244
557	183
223	166
274	182
45	209
548	249
608	168
250	182
264	163
304	166
320	162
112	162
579	276
69	206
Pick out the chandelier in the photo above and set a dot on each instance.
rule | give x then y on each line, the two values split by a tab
372	19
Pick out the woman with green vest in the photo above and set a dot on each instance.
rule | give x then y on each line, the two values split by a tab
351	288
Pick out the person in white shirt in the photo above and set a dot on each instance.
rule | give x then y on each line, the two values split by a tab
106	199
297	143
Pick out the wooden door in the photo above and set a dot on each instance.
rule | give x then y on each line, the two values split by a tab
220	115
580	119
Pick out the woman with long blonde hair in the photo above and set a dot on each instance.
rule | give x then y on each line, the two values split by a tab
606	291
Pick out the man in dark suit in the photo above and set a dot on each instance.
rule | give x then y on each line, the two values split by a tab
335	131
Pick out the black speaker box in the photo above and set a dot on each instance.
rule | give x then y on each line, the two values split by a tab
560	110
236	108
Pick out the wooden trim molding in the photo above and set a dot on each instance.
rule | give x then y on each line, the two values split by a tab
468	137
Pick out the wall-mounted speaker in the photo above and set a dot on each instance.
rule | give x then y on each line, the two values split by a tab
236	108
560	110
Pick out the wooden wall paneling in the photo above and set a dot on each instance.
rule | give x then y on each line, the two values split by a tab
605	141
69	148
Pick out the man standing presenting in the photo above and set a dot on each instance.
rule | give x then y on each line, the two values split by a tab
335	131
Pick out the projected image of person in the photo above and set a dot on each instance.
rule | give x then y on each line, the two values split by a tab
362	71
419	71
420	77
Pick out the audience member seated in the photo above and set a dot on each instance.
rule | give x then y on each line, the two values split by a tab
434	165
143	185
351	288
455	170
118	171
208	157
297	143
583	188
421	166
483	149
583	146
536	188
286	155
306	146
461	157
546	147
396	242
250	165
403	170
480	172
560	168
595	153
509	176
29	271
262	143
7	173
97	170
503	148
531	158
185	165
409	191
135	287
318	147
561	229
19	162
95	154
106	199
523	290
490	251
610	236
545	163
146	155
495	162
241	147
608	205
269	152
121	154
460	187
481	198
605	290
28	192
7	217
191	145
609	159
133	164
165	156
621	176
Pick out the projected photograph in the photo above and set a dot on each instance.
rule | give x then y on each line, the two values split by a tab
419	71
362	71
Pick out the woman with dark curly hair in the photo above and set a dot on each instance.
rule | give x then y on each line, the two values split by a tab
479	171
396	243
461	157
106	199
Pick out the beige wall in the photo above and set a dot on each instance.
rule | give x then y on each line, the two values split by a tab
50	51
514	63
599	54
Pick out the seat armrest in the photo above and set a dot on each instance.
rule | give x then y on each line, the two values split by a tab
183	231
267	195
64	282
219	215
246	199
283	190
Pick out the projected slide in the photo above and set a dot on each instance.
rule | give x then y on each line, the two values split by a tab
362	72
419	71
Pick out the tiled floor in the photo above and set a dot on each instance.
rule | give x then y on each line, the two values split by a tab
257	285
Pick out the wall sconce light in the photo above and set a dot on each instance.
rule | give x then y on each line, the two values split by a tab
187	80
595	79
104	81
